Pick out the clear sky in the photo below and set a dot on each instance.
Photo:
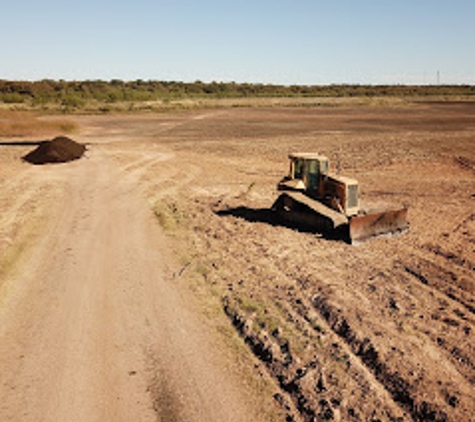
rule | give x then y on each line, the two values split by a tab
260	41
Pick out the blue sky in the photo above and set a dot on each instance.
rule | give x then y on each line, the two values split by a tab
260	41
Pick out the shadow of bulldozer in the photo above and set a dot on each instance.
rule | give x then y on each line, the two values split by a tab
259	215
274	218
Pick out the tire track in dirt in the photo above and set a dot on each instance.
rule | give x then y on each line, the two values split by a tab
452	323
367	366
444	281
363	348
94	329
401	386
144	161
27	199
23	211
158	173
308	384
272	269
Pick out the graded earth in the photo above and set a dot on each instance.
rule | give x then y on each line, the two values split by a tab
149	281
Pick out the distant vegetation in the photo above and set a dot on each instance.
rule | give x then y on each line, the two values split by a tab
79	94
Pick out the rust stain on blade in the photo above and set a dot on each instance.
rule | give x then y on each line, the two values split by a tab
378	224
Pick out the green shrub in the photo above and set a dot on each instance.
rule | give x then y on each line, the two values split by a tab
12	98
72	101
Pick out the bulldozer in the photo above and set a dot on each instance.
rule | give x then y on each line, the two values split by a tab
317	200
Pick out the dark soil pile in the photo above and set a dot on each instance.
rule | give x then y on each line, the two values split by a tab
59	150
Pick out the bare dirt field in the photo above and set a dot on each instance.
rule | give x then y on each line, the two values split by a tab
149	280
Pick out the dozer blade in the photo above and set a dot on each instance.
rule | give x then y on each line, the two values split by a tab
378	224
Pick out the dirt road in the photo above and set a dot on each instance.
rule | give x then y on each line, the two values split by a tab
92	325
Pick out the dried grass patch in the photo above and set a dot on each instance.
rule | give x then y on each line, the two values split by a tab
23	123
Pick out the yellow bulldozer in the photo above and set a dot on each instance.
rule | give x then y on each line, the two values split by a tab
318	200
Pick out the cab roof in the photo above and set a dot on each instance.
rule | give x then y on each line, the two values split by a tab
307	156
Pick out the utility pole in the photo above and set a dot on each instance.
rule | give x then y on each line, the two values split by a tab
438	77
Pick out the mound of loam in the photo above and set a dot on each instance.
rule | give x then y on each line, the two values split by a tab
59	150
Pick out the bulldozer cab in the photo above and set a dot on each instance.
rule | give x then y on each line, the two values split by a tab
338	192
309	168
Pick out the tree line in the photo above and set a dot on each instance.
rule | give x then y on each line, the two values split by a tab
77	93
